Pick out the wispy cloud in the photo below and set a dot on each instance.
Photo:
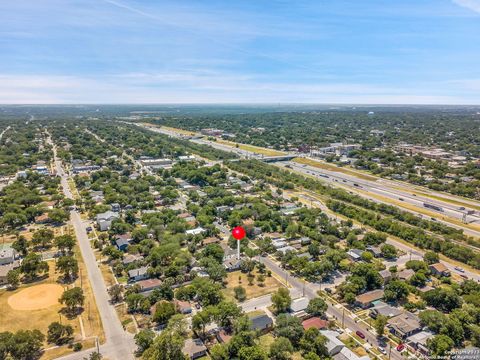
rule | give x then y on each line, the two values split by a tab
473	5
160	88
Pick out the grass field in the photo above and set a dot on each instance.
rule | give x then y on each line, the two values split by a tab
325	166
125	318
252	148
271	284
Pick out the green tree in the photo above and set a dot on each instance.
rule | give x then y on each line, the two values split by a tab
59	334
115	291
439	345
388	251
65	243
252	353
281	349
240	293
379	325
32	266
167	346
144	339
26	344
43	238
312	342
72	299
431	257
219	352
68	266
281	300
13	278
289	327
317	307
164	310
396	290
21	245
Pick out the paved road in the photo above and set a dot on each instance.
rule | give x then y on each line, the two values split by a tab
386	188
382	188
119	344
310	290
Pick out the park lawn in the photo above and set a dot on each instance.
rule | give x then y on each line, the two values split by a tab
14	320
325	166
271	284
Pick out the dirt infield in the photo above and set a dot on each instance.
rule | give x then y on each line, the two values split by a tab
36	297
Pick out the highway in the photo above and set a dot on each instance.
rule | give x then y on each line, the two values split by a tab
119	344
382	188
390	190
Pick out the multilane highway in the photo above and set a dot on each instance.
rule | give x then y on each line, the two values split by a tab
391	191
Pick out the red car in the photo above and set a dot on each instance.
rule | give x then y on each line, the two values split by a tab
360	334
400	347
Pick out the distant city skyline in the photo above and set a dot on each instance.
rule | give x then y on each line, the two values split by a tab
353	52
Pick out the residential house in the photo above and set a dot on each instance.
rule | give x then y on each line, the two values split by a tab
386	275
183	307
196	231
4	269
115	207
122	241
334	345
149	284
43	218
228	252
439	269
366	300
232	264
194	348
7	255
131	258
375	251
138	274
355	254
405	274
298	307
419	341
315	322
104	220
404	325
210	240
261	323
223	337
381	308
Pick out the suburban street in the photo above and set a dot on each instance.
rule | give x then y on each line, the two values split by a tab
119	344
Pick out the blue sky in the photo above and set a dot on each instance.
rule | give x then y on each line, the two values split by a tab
240	51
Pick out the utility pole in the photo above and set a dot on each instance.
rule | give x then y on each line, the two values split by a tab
303	292
343	317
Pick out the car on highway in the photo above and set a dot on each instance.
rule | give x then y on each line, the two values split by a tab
400	347
461	208
459	269
360	334
382	350
401	199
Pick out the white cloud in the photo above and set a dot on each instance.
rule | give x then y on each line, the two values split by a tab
213	87
473	5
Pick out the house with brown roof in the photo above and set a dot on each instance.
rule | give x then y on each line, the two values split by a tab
366	300
316	323
149	284
183	307
43	219
439	269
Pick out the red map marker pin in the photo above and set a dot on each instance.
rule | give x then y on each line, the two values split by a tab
238	232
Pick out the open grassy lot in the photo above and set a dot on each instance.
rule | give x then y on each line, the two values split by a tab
252	148
125	318
325	166
236	278
177	130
